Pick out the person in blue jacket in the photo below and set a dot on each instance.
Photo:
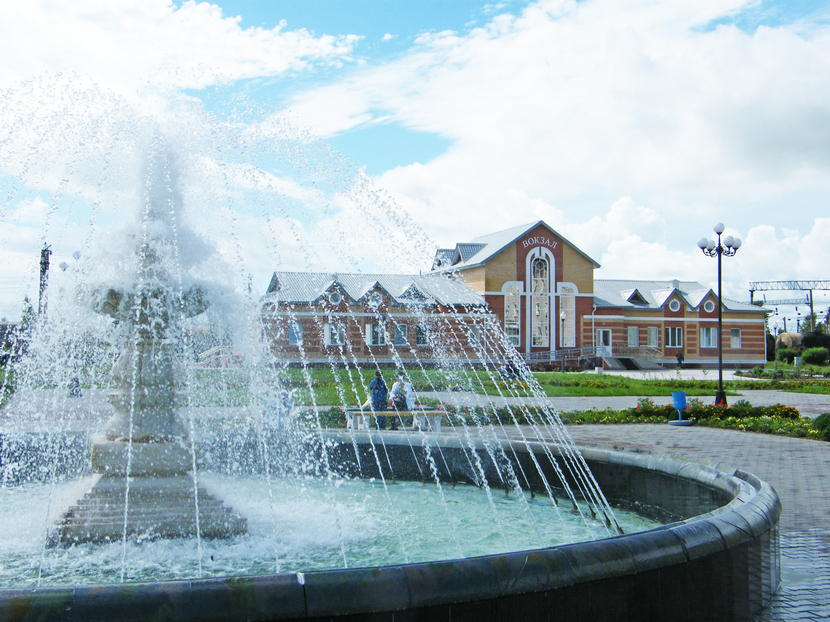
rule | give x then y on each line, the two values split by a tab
379	398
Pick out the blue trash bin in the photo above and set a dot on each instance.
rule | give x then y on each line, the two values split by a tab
679	400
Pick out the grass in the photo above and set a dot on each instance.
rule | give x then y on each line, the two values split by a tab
230	387
557	384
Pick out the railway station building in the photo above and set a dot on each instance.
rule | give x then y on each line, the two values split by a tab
531	283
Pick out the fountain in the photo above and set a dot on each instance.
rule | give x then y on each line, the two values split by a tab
146	458
190	504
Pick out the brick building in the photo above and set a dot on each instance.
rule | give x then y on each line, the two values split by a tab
542	290
366	319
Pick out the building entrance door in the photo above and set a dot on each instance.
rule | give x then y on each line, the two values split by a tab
604	342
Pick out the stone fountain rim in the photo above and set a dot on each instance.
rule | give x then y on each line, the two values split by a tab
753	511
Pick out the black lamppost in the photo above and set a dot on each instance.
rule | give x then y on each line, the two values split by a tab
728	246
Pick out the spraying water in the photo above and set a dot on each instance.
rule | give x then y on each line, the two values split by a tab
206	414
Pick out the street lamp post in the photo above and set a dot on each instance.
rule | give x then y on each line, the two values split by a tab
562	317
728	247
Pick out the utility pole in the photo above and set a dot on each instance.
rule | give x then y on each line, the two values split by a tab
44	277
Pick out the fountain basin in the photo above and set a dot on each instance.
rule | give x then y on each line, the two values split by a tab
719	562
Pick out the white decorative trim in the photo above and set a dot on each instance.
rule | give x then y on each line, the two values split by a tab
374	315
652	319
537	253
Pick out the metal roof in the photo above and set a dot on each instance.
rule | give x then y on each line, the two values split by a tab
443	258
479	250
309	287
622	294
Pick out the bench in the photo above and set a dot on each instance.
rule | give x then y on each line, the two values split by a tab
357	419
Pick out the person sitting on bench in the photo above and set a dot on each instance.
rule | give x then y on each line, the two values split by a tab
402	397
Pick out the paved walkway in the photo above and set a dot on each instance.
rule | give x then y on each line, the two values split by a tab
798	470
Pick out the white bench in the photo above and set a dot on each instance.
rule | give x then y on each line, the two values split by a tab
357	419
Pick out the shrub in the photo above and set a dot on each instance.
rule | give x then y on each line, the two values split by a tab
816	356
786	354
822	425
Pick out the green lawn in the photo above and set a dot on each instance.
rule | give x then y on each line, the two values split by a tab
556	384
337	387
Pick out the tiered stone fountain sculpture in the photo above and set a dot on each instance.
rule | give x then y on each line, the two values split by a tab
146	460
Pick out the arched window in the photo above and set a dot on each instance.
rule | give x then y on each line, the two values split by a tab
539	284
540	302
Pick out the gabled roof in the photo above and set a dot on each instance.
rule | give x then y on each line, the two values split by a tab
443	258
479	250
463	251
310	287
634	297
618	294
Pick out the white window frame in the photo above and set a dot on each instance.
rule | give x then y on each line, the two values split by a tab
633	336
334	334
567	303
375	334
513	312
421	335
539	322
474	335
735	338
709	337
674	306
653	336
674	336
295	333
709	306
401	336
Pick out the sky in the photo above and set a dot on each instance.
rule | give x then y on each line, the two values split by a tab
631	127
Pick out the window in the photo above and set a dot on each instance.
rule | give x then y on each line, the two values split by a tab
709	337
334	334
674	337
375	335
512	314
709	306
295	333
735	338
540	297
474	335
567	303
633	337
653	337
401	334
674	306
375	300
421	335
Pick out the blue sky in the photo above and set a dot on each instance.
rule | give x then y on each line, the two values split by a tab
389	29
630	126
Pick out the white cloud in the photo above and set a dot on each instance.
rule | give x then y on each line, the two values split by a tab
571	105
553	114
30	212
132	44
629	242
